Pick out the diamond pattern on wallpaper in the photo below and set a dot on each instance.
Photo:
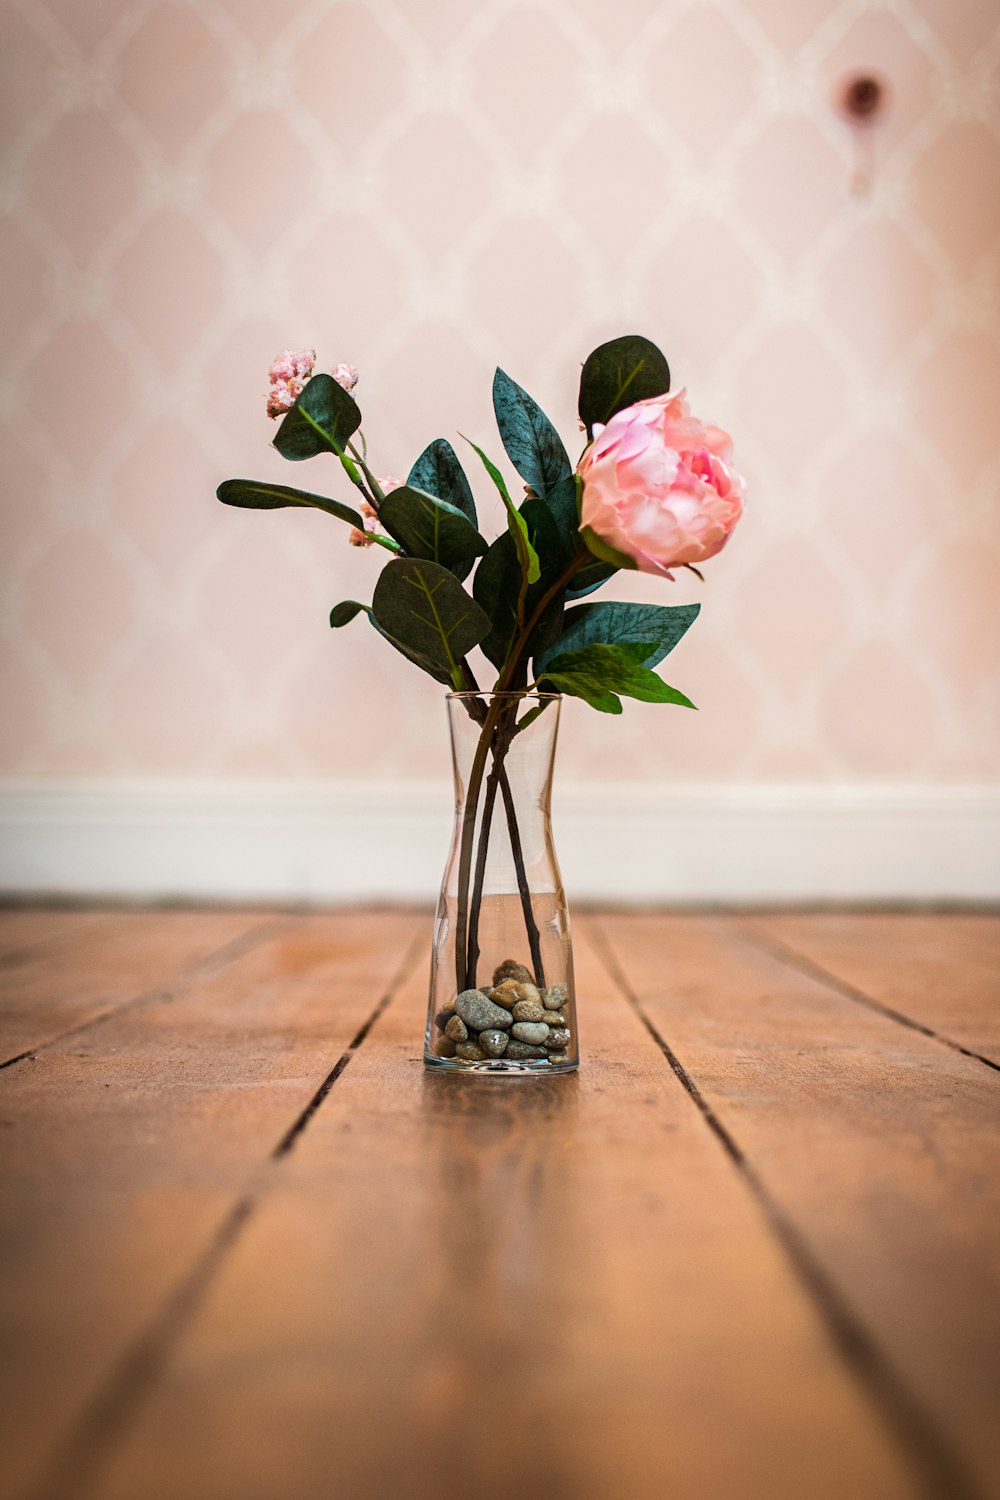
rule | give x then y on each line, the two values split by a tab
187	186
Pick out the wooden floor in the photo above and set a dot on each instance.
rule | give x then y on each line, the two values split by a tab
252	1251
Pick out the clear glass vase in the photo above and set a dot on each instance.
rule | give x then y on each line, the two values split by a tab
501	994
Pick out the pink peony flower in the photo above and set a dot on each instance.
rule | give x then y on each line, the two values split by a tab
659	486
346	375
288	376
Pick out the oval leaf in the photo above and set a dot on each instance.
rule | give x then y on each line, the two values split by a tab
532	443
423	606
255	494
438	472
440	674
344	613
431	528
618	374
322	420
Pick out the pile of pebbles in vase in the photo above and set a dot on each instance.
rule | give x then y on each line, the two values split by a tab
513	1020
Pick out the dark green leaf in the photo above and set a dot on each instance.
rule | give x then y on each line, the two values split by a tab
422	606
617	375
527	556
612	623
495	588
440	674
532	443
599	673
254	494
344	613
431	528
438	472
549	544
605	552
590	577
497	584
322	420
564	504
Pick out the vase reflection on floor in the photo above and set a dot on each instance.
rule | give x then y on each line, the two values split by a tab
501	991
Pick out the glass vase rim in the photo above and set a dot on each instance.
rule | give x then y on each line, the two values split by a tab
512	693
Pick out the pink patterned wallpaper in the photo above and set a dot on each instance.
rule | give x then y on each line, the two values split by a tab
426	190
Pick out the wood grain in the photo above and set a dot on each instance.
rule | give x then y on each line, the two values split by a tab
126	1147
878	1144
68	984
941	972
27	932
505	1287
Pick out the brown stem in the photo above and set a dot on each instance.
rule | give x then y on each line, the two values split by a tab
468	833
531	926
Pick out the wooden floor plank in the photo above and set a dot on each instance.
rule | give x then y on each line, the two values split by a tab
135	953
942	972
880	1145
472	1287
24	932
124	1148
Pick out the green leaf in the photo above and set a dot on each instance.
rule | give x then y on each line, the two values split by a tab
497	586
564	503
515	521
532	443
431	528
255	494
606	553
440	674
421	606
590	577
612	624
438	472
344	613
599	673
322	420
618	374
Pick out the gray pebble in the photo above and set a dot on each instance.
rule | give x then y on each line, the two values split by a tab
444	1046
520	1050
556	1018
557	1057
554	998
530	1031
443	1017
494	1043
511	969
481	1014
558	1039
526	1010
470	1052
457	1029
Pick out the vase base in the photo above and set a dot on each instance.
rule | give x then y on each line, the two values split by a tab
496	1067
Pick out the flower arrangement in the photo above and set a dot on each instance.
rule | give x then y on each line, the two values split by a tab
654	490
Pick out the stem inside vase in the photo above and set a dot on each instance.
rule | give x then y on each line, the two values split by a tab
504	733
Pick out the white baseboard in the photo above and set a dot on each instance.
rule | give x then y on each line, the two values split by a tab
342	842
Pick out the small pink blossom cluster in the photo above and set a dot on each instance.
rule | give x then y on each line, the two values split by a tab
288	376
346	375
365	538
